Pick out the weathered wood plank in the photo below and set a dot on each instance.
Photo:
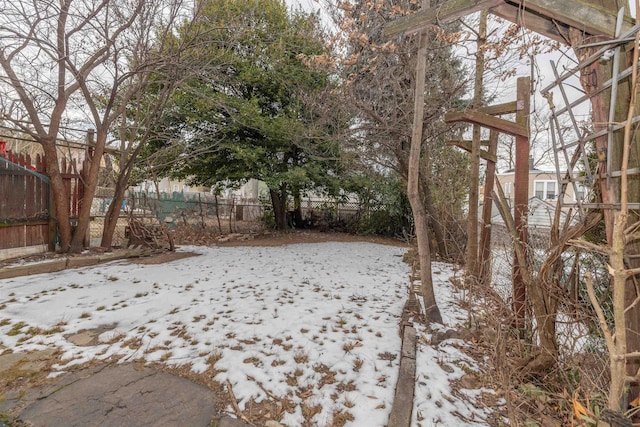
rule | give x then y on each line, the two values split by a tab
499	109
409	342
447	12
521	199
533	21
403	400
485	142
466	145
485	120
574	13
551	18
29	269
36	234
487	210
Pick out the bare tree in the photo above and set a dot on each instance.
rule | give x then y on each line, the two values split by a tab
140	121
380	83
77	60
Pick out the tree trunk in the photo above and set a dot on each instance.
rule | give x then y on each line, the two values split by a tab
625	323
434	220
113	213
279	203
617	354
60	196
297	210
91	181
432	312
111	220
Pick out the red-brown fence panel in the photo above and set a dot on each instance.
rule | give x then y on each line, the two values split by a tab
24	206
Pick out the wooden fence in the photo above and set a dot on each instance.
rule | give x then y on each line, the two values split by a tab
25	205
27	214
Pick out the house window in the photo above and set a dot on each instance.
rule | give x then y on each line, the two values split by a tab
581	192
545	190
508	186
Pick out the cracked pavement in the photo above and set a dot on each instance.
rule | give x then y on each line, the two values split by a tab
126	395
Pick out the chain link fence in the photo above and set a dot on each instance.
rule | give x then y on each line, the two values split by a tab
195	215
174	210
202	210
101	201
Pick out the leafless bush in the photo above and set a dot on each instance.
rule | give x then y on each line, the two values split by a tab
579	377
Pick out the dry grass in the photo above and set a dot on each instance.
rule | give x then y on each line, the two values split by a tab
340	418
253	360
300	356
309	411
133	343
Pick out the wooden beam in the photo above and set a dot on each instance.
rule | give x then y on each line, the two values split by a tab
574	13
533	21
499	109
446	12
550	18
485	120
466	146
487	210
521	197
484	142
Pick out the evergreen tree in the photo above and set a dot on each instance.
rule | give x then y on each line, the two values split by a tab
247	112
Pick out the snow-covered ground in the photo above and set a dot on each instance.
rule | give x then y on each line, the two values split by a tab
436	402
315	324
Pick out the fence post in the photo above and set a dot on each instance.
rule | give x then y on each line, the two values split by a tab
53	220
231	210
201	212
218	212
84	176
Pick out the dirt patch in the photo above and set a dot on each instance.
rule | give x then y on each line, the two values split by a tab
258	236
163	257
266	239
310	236
89	337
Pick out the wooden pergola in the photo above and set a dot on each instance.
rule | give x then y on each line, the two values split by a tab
573	23
486	118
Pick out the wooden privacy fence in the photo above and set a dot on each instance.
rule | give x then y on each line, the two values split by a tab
24	205
27	212
73	184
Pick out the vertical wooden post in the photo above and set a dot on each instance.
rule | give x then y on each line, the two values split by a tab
521	195
53	217
202	222
472	217
82	183
432	312
487	208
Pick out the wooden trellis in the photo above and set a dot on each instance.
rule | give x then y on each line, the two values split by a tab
572	152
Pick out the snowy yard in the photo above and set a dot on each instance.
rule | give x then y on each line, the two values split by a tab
314	325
